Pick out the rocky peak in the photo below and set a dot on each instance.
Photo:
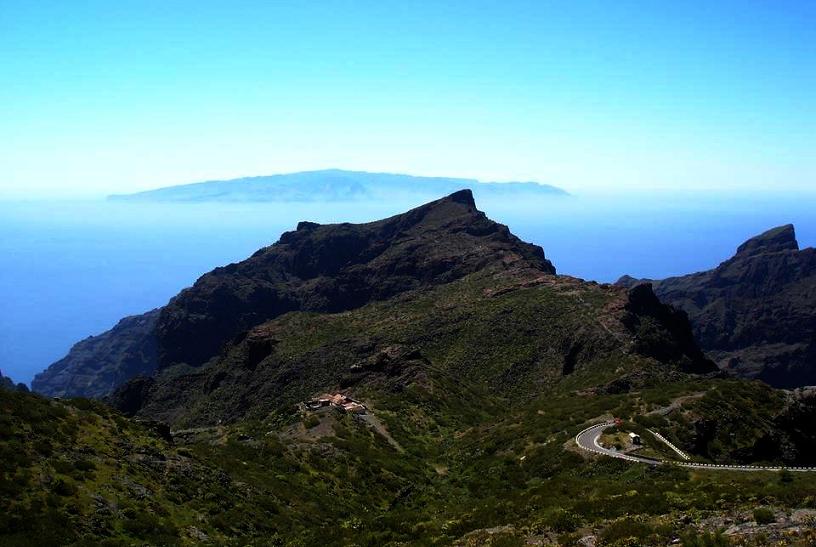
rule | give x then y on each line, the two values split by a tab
338	267
465	197
452	213
781	238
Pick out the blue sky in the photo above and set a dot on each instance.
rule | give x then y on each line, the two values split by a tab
99	97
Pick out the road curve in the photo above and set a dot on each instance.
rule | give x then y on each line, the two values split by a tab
588	440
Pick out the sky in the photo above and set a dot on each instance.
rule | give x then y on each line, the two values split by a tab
101	97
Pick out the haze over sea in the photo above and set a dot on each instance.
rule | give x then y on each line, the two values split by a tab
72	269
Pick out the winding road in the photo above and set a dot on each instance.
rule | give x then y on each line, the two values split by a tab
588	440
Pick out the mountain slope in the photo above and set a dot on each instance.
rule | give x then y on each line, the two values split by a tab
754	314
333	185
96	365
508	334
315	268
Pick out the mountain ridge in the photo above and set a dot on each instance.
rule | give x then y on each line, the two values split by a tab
324	268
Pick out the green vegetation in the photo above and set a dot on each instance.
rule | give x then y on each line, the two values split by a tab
764	515
706	539
310	421
75	472
487	432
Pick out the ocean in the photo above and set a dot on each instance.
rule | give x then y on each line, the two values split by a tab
72	269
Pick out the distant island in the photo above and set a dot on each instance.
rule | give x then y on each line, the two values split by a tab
337	185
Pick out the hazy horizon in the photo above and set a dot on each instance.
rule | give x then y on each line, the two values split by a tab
596	192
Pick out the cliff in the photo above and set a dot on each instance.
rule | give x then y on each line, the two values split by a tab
754	314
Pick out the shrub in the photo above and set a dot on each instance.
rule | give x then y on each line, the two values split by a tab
81	403
785	476
85	465
676	501
565	521
311	421
62	466
764	515
706	539
652	421
43	447
142	524
64	487
625	529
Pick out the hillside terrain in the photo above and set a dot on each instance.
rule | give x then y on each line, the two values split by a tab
468	367
754	314
491	472
542	330
333	185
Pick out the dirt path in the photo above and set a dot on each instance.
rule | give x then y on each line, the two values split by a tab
378	426
675	404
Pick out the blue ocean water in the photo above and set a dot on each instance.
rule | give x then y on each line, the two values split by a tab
72	269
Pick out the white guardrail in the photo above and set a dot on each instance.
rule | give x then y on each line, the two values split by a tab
665	441
690	465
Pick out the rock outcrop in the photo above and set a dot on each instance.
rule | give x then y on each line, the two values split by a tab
663	332
8	383
754	314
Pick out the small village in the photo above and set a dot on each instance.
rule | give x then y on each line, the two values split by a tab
337	401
